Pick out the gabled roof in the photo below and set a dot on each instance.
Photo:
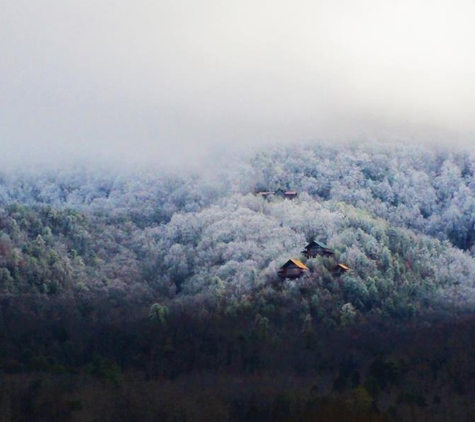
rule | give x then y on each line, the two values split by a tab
296	262
316	242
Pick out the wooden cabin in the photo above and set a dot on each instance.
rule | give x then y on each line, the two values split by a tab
280	193
315	248
265	195
293	268
340	269
289	194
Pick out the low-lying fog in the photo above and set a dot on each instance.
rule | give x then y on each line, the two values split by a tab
171	81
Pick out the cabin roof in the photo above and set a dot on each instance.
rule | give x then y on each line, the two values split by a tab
296	262
316	242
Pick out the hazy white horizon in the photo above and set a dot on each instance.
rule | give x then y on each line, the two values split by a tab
169	81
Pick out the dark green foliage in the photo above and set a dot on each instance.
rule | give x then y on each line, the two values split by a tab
105	370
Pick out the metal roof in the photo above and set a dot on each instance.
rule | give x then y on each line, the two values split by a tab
322	245
299	264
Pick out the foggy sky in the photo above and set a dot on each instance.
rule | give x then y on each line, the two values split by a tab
171	80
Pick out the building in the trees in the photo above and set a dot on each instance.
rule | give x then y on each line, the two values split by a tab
293	268
265	194
280	193
340	269
290	194
315	248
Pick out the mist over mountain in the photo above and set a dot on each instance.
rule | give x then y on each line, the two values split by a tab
237	211
167	82
124	277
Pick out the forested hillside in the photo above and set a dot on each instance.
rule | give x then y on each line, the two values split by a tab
130	279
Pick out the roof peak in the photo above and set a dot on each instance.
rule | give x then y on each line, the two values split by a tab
321	244
299	264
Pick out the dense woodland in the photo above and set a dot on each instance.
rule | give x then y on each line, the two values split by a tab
151	295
